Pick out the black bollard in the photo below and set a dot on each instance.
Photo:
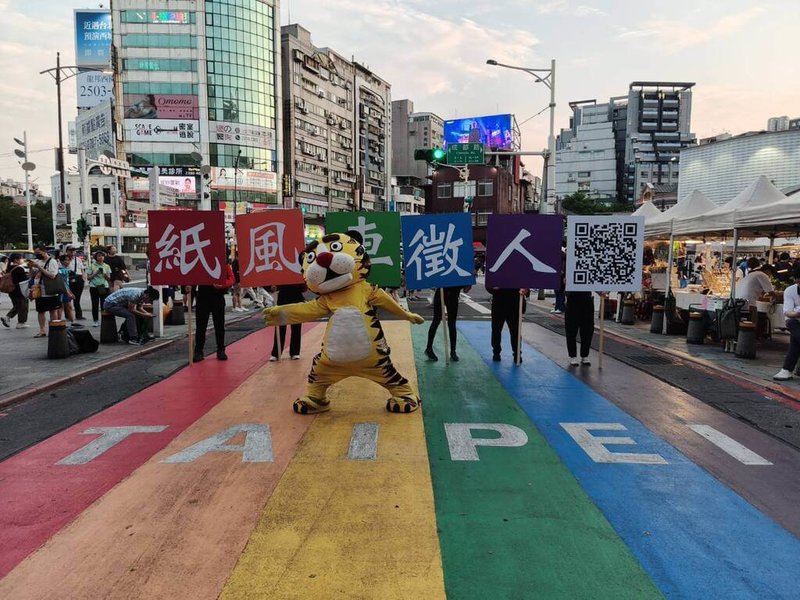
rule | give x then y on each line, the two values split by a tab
696	331
57	346
746	342
108	328
657	321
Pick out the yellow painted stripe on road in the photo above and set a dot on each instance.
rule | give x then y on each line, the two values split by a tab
340	528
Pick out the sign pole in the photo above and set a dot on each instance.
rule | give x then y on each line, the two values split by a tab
602	329
189	323
518	358
444	327
277	332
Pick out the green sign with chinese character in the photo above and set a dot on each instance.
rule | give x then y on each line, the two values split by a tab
381	234
465	154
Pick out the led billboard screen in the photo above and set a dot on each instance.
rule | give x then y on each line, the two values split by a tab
493	131
92	38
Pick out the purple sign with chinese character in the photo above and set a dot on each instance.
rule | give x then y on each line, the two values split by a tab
524	251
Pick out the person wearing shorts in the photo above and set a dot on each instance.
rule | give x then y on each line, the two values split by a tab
44	266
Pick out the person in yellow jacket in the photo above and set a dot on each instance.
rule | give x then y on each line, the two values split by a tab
354	344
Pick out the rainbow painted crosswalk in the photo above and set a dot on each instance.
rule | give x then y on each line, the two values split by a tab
512	482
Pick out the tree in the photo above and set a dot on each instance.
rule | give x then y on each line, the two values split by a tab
580	203
14	228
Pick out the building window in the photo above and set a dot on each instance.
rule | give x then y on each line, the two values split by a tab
107	220
443	190
584	185
159	64
106	196
463	189
485	187
158	40
584	173
482	219
95	196
644	174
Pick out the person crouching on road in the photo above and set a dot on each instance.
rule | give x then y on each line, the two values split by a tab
127	303
579	317
505	310
791	311
210	301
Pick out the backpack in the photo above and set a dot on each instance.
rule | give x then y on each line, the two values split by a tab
7	282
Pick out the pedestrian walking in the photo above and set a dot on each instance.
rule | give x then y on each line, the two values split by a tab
77	280
119	272
236	290
210	301
451	296
19	300
44	267
559	306
505	311
127	303
579	319
288	294
791	312
99	277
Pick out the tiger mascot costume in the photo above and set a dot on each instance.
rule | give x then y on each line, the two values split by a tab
354	343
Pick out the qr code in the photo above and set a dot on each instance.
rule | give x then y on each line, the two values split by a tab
605	254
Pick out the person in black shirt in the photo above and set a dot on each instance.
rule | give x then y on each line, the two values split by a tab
210	301
289	294
119	272
505	310
19	303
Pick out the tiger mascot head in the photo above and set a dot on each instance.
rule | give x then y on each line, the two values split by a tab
337	262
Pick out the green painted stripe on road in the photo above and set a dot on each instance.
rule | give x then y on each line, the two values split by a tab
516	523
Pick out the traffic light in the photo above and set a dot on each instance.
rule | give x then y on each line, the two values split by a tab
83	229
431	155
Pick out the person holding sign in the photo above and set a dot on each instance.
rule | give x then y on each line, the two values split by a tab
450	295
579	318
288	294
211	302
506	310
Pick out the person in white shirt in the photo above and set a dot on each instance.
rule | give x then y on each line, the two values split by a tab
45	266
791	312
76	281
755	283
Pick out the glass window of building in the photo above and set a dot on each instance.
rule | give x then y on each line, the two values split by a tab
444	190
485	187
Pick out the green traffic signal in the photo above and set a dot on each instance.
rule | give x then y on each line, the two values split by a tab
431	155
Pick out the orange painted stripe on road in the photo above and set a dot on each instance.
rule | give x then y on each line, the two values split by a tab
177	530
336	527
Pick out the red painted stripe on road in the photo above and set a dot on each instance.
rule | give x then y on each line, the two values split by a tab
39	497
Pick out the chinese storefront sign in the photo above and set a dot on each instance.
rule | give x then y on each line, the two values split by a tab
437	250
524	251
381	234
270	243
186	247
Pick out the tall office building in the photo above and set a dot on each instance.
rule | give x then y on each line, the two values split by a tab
198	88
336	135
412	130
658	127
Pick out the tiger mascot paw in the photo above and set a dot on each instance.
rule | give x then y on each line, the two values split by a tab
306	405
403	404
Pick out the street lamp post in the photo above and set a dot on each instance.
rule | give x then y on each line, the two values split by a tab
550	160
27	166
57	73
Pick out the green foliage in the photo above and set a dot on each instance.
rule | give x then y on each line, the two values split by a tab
14	228
580	203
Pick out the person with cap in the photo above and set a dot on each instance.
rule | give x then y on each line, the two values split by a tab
791	312
127	303
77	279
44	267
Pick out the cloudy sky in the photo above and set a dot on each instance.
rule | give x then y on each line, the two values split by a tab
741	54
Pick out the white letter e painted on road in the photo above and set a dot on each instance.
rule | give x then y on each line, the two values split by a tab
595	446
463	445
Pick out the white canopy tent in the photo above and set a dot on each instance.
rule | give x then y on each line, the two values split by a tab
760	193
689	207
648	211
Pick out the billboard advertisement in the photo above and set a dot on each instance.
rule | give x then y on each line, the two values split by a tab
184	185
162	130
246	180
93	88
493	131
240	134
160	106
92	38
93	130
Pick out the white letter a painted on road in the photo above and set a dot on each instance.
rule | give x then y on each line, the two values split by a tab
257	445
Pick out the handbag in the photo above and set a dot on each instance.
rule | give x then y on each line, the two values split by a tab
35	291
102	290
55	286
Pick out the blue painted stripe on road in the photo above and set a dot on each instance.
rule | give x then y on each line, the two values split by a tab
694	536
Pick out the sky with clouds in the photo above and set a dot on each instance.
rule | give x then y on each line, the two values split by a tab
741	54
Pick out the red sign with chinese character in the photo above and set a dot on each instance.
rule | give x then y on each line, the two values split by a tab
270	243
186	247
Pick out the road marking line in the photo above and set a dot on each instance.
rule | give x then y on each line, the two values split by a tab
729	445
475	306
363	442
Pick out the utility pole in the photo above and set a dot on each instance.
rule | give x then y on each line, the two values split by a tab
27	166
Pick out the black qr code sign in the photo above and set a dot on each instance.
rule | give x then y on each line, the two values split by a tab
604	254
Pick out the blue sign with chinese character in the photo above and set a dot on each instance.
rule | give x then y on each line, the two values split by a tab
437	250
92	38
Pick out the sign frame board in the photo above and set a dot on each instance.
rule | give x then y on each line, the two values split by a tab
269	244
162	130
380	232
465	154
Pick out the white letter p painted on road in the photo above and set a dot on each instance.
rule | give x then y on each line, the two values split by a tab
464	447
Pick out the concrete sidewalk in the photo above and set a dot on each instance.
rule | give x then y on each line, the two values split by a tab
759	371
27	370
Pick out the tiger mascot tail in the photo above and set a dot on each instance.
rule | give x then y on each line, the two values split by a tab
354	344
